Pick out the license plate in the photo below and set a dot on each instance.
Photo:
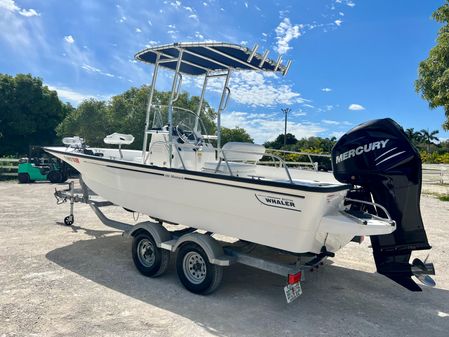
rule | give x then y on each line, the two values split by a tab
292	291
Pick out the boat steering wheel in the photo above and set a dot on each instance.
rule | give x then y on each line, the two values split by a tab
186	134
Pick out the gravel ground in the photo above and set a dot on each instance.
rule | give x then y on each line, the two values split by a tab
80	280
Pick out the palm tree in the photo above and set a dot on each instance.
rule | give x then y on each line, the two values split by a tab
429	137
414	136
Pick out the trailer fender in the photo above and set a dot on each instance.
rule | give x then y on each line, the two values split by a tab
155	229
211	247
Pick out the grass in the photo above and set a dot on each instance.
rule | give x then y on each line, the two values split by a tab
444	197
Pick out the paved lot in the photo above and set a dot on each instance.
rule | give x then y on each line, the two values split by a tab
80	280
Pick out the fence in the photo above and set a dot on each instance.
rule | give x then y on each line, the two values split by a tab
8	167
435	174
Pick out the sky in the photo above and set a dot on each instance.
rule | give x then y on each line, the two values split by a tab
352	60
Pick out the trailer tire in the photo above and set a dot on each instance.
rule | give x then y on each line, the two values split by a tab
194	270
148	258
69	220
24	178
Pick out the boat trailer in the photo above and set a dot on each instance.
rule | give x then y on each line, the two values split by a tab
200	257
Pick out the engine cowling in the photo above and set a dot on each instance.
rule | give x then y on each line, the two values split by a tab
378	156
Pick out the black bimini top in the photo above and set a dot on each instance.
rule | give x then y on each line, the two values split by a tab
199	58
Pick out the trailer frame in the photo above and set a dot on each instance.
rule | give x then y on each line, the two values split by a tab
217	253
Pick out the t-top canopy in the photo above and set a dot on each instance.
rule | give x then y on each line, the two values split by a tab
198	58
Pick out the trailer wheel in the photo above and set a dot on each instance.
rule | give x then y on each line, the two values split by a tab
195	271
24	178
148	258
69	220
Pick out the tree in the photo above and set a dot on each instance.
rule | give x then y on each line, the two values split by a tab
235	135
433	73
414	136
278	143
29	113
125	113
89	121
429	137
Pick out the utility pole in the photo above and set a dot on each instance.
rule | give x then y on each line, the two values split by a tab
285	111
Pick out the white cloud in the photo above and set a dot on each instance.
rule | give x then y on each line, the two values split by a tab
262	127
69	39
285	32
257	89
338	22
350	3
75	97
337	134
11	6
298	113
330	122
194	17
176	4
151	43
198	35
92	69
138	30
326	89
246	4
356	107
28	12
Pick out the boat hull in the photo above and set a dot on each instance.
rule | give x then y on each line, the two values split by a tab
277	216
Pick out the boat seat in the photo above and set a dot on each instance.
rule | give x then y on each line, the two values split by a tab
119	139
239	151
237	169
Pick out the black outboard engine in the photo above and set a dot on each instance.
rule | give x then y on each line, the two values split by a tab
378	158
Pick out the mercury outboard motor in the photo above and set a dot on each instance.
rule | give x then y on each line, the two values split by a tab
384	167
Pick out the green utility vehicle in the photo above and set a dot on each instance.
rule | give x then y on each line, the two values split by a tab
40	166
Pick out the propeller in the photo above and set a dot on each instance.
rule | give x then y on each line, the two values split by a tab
421	270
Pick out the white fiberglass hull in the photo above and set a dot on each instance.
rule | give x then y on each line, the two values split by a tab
271	214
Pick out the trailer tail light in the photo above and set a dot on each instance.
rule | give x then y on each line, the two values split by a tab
294	278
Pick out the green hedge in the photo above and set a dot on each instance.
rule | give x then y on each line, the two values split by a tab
434	158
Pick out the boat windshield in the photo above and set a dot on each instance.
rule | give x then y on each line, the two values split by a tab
183	119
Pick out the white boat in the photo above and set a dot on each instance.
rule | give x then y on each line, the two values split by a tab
179	177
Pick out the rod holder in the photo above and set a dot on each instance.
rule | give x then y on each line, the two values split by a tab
287	67
253	52
278	63
264	58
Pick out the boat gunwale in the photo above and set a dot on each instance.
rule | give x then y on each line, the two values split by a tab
286	185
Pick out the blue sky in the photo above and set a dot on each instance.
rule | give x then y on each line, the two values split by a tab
353	60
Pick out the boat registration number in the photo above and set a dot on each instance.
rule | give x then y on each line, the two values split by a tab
292	291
